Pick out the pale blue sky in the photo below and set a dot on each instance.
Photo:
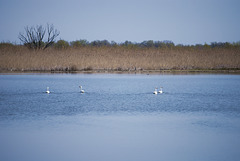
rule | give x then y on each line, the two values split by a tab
181	21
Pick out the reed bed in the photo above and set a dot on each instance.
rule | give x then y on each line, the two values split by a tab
19	58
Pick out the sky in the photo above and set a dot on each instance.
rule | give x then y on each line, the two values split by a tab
180	21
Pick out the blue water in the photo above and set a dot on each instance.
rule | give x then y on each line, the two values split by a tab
118	118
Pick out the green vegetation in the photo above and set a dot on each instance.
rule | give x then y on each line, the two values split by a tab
81	55
61	44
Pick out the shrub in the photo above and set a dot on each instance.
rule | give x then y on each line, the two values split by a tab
79	43
61	44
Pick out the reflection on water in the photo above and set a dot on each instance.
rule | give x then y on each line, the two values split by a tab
118	118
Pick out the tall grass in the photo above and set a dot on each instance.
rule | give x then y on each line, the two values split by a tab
19	58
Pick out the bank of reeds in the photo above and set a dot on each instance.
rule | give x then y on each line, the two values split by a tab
118	58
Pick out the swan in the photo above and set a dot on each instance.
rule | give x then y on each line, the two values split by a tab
155	91
81	90
160	91
47	91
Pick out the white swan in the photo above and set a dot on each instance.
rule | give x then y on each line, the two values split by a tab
47	91
160	91
81	90
155	91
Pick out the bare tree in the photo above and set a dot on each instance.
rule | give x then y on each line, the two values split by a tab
34	37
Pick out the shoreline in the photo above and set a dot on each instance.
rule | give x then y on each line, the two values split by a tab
110	71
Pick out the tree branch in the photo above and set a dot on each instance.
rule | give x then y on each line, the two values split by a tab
34	36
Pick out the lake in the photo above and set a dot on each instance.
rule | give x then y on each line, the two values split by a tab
118	118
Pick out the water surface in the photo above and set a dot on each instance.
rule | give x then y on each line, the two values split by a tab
118	118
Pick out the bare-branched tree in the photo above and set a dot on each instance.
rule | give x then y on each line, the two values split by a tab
34	37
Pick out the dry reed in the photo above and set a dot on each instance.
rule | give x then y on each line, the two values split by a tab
19	58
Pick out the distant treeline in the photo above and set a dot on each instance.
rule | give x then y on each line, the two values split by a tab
63	44
144	44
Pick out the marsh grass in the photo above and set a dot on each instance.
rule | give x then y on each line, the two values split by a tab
19	58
